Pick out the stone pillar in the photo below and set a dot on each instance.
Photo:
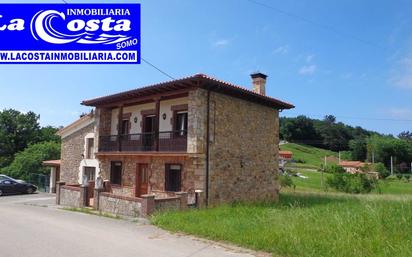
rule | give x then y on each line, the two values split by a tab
183	199
96	201
200	201
58	191
148	205
84	196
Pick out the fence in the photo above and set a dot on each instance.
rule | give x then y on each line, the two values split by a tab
41	181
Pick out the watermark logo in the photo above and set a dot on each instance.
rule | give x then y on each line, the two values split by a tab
73	33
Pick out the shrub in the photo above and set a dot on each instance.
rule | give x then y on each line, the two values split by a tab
30	160
286	181
334	168
407	177
381	169
399	176
352	183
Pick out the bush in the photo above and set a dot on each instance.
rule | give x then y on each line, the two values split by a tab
334	168
352	183
399	176
407	177
286	181
381	169
30	160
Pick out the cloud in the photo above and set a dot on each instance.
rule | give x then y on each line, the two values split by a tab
308	69
281	50
221	43
402	75
347	75
309	58
400	113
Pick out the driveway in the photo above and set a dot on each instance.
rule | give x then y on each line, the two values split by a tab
31	225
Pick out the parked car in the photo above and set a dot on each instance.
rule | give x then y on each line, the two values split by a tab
10	186
3	177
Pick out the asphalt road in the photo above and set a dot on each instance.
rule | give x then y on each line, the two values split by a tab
30	225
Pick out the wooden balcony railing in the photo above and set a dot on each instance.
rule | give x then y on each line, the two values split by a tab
165	141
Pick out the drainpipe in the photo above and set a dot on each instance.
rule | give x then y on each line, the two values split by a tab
207	146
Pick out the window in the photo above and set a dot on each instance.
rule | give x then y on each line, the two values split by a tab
181	123
125	127
90	148
173	177
116	173
90	173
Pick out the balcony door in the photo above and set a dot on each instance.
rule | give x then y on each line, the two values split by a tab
149	132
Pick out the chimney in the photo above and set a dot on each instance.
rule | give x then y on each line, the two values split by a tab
259	83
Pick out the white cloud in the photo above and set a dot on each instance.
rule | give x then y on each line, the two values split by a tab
281	50
400	113
221	43
309	58
347	75
402	75
308	69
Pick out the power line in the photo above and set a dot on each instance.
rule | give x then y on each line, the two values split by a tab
359	118
158	69
144	60
317	24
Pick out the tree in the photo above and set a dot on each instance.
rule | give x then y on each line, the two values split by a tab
358	149
48	134
300	130
405	135
17	131
30	160
329	119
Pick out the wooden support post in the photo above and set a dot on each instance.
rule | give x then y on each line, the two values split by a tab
157	124
119	128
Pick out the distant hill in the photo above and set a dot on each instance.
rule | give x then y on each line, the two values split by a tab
309	156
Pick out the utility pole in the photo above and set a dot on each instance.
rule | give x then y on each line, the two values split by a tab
339	156
391	165
373	157
321	174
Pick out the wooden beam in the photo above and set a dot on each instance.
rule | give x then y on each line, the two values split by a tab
147	99
157	126
119	127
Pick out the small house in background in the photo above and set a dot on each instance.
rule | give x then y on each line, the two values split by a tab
352	166
284	157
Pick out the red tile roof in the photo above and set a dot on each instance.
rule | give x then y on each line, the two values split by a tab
51	163
354	164
195	81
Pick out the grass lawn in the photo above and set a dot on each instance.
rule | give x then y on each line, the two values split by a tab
306	224
313	184
309	155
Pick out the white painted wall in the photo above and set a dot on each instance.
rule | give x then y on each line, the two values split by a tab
165	107
88	162
52	179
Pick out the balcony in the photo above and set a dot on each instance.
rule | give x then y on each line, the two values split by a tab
166	141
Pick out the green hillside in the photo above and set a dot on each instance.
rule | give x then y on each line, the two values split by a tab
309	156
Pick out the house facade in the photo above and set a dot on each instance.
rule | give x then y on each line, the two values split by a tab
196	134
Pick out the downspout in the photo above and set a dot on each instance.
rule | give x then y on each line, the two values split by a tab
207	146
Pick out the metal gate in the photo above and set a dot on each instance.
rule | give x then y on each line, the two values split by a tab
41	181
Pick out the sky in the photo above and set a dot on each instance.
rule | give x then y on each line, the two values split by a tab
348	58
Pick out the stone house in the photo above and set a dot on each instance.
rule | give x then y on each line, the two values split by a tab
192	134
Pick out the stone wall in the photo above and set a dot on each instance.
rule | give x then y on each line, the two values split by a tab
167	204
156	171
70	196
105	119
72	148
244	145
118	205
